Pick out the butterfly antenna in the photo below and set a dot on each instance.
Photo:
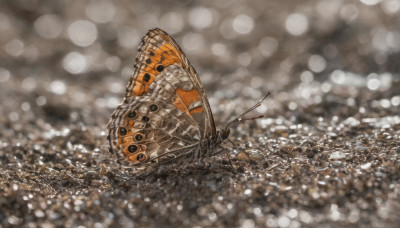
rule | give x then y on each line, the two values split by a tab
240	118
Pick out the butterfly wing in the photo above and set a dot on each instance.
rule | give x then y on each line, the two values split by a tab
165	112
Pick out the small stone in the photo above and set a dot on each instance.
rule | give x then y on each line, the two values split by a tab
338	155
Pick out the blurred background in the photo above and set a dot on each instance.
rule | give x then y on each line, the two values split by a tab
70	61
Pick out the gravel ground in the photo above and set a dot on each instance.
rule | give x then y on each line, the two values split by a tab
326	154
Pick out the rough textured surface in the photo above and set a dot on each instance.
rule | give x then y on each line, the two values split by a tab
327	154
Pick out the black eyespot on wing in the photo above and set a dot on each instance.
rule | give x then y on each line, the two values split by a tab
145	119
153	107
132	114
160	68
148	61
122	131
138	137
151	53
141	157
132	148
146	77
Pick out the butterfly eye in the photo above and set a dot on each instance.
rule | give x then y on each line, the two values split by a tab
139	137
153	107
141	157
132	114
122	131
160	68
132	148
145	119
225	133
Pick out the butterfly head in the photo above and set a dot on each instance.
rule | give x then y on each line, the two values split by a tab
224	133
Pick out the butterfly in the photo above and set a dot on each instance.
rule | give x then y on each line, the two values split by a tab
165	116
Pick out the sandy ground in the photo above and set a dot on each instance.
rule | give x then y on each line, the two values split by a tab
326	154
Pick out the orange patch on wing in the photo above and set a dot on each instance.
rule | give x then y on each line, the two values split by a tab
130	123
185	99
197	109
139	90
132	158
125	139
165	55
188	97
180	106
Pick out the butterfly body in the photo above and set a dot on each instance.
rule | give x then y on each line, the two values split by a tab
165	115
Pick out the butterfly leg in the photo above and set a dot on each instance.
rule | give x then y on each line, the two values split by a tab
234	145
232	167
229	159
202	160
